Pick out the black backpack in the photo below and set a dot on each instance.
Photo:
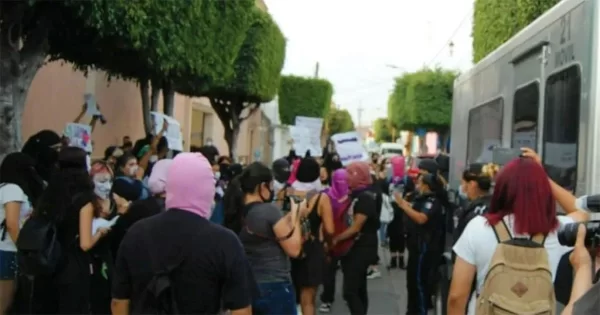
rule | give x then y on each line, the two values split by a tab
38	249
158	296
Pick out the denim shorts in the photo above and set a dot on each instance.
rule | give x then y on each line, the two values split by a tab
8	265
276	298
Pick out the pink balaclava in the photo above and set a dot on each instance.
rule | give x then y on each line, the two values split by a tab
158	178
190	184
398	165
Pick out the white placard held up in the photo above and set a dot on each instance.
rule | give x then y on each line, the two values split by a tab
91	107
79	135
314	125
173	133
300	136
349	148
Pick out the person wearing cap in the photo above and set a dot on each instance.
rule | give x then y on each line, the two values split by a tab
423	241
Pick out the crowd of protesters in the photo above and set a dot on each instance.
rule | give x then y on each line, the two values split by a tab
147	230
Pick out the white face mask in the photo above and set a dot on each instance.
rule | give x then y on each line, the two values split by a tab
462	193
153	158
133	170
217	175
102	189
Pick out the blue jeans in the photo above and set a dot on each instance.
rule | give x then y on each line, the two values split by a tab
383	232
276	298
8	265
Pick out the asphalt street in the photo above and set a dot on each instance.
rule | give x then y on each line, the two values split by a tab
387	294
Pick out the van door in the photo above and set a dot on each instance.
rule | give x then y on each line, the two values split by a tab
528	95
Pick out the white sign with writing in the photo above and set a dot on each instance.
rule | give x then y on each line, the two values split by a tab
300	137
79	135
173	133
524	139
349	147
314	125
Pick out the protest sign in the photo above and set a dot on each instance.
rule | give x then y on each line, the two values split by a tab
173	133
300	137
79	135
349	147
314	126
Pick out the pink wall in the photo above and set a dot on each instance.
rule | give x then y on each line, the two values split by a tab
56	98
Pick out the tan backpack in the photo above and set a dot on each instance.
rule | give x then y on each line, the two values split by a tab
519	280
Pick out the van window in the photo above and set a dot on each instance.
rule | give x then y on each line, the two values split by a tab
561	126
525	116
485	131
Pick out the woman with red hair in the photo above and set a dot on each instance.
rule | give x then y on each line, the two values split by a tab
365	209
524	199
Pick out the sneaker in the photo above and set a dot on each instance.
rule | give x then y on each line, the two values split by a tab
325	308
373	274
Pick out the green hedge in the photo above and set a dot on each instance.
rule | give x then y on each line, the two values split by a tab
338	121
300	96
494	21
422	99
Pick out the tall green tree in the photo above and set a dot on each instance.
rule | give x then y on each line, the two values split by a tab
423	99
255	79
383	130
339	121
300	96
495	22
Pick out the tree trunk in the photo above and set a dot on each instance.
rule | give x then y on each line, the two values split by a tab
145	94
18	67
168	98
155	95
231	137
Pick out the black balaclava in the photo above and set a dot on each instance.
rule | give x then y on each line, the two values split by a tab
41	148
281	170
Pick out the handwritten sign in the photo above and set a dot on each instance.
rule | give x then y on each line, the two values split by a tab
79	135
173	133
349	148
300	137
91	107
314	125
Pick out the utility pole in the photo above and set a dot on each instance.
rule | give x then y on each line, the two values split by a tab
317	70
359	111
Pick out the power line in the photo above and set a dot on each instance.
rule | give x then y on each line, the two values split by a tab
462	22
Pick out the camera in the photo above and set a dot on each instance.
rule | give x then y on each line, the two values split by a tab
567	235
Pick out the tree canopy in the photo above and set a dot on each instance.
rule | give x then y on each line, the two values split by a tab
299	96
495	22
339	121
229	51
255	79
422	99
383	130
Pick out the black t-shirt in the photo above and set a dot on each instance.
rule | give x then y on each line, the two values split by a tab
213	270
368	202
138	210
68	228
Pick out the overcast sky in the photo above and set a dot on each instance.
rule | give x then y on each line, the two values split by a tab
354	41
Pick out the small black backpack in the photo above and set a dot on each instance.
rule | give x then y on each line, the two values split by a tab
38	249
158	296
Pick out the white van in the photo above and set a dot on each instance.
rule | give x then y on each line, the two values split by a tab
390	149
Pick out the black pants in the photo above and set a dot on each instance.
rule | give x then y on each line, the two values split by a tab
418	276
354	268
328	294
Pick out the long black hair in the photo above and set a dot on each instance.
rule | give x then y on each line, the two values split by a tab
19	169
41	147
245	183
122	161
69	182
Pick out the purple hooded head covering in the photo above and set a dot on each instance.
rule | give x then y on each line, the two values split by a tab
338	189
187	184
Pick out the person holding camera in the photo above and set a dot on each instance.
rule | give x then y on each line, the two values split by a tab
585	296
521	223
